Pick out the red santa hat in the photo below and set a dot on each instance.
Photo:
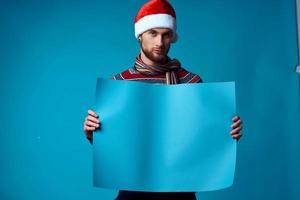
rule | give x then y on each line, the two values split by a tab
155	14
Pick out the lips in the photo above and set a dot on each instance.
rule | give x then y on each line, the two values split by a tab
158	51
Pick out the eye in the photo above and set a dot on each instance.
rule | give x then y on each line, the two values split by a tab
152	33
167	35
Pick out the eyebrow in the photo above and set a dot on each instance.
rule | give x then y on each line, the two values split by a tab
152	31
164	33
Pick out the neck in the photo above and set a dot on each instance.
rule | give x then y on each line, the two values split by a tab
148	61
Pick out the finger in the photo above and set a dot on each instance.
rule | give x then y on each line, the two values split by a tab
236	124
89	128
236	130
237	136
93	119
92	124
90	112
235	118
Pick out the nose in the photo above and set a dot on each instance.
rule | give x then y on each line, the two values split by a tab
159	41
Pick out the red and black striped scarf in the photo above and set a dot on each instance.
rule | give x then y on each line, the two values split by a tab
169	69
170	73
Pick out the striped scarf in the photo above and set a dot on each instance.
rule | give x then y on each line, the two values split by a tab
169	69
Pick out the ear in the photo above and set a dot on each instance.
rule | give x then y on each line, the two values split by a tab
140	37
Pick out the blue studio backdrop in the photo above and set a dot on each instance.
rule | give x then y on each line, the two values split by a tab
51	53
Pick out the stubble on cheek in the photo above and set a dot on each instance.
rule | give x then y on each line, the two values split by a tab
158	57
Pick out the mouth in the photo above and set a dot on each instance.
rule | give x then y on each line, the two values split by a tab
158	51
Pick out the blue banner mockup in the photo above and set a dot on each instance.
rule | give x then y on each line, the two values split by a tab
164	138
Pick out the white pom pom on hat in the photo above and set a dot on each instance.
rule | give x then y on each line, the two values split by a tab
155	14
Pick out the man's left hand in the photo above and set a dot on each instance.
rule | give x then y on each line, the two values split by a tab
237	127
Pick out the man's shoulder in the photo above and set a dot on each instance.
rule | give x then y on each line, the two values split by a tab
186	76
126	74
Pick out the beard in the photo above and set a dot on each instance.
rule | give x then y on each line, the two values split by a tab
157	58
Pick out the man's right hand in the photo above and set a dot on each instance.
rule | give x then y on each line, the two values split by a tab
91	123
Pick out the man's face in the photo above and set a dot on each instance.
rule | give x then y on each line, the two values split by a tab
155	44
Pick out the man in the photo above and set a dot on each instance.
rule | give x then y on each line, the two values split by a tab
155	28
